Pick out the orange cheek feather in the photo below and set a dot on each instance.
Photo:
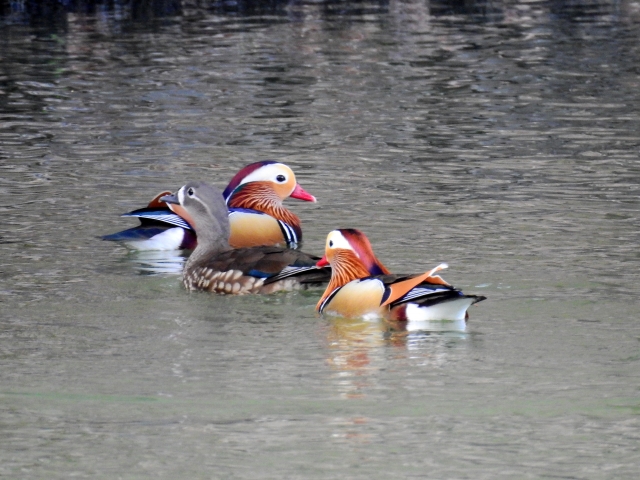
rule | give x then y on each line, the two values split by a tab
180	211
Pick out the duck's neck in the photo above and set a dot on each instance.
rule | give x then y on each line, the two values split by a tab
261	196
212	241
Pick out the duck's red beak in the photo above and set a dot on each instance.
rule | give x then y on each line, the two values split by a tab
301	194
323	262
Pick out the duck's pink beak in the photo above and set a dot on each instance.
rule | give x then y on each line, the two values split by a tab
301	194
323	262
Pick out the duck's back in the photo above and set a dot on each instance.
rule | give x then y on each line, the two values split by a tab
255	270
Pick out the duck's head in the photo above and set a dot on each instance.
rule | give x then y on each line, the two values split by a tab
280	177
204	207
344	244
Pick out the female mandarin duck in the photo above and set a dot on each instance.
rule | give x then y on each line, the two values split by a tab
356	291
254	197
217	267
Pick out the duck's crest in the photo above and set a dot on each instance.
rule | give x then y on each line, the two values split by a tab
238	177
361	245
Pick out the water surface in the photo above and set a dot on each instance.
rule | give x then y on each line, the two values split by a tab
499	138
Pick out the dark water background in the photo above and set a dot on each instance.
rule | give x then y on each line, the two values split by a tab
499	137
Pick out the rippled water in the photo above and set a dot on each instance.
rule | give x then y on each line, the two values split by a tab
501	138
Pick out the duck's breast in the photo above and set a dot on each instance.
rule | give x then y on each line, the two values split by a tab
252	229
359	298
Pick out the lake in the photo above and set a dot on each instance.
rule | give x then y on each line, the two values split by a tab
499	137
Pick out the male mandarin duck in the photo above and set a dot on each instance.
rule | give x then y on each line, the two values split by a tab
217	267
254	198
356	291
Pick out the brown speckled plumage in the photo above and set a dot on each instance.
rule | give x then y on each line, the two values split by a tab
230	271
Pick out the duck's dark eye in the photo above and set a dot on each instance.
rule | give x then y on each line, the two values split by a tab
331	243
281	178
190	192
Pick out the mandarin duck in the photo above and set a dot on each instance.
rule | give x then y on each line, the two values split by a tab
354	291
217	267
254	198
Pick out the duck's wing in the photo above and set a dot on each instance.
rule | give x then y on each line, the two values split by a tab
271	264
159	229
428	298
159	215
398	288
154	237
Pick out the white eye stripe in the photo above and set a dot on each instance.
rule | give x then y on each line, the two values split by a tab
269	173
336	240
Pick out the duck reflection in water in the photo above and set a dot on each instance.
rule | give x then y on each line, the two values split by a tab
359	350
158	262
